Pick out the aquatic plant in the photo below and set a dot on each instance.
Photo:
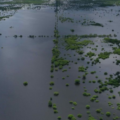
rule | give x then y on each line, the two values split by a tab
52	76
117	51
75	103
77	81
59	117
90	54
51	83
50	103
98	110
79	115
108	113
87	106
81	69
25	83
56	93
104	55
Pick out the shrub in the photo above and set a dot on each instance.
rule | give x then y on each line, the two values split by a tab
55	111
108	113
87	106
52	76
67	84
59	117
98	110
56	93
105	73
51	83
50	103
50	88
75	103
77	81
25	83
79	115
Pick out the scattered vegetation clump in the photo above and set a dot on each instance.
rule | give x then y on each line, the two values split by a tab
50	103
117	51
75	103
104	55
80	52
64	19
73	44
51	83
81	69
86	94
56	93
79	115
108	113
90	54
105	73
93	72
118	106
87	106
114	41
77	81
59	117
25	83
98	110
70	116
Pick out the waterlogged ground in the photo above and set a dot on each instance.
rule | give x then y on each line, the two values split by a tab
28	58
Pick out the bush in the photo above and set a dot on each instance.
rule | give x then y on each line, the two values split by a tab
98	110
75	103
56	93
59	117
50	103
51	83
55	111
77	81
25	83
67	84
87	106
79	115
108	113
52	76
70	116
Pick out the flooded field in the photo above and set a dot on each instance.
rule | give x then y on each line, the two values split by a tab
59	63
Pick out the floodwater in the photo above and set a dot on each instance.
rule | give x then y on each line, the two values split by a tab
29	59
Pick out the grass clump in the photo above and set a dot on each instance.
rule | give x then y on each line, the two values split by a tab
98	110
77	81
25	83
50	103
79	115
117	51
86	94
81	69
108	113
56	93
87	106
51	83
90	54
75	103
59	117
104	55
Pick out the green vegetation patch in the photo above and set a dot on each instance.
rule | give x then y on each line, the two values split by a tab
104	55
90	54
117	51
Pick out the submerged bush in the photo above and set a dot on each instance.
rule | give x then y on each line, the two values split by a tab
108	113
50	103
56	93
79	115
77	81
25	83
87	106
